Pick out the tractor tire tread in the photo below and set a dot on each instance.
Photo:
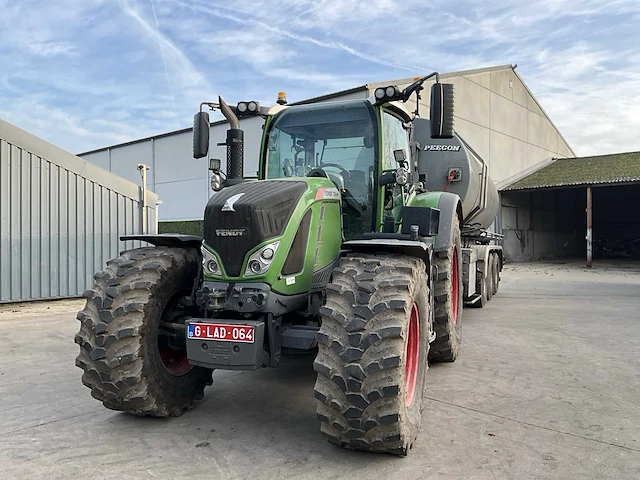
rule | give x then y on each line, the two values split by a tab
360	346
446	346
112	325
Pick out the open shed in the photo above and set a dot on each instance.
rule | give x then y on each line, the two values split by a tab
574	207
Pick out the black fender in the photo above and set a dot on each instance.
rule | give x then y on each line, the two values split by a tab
173	240
483	252
167	240
448	205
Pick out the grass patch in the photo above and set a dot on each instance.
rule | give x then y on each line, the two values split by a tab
184	227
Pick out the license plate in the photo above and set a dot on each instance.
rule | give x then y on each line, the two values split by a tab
221	332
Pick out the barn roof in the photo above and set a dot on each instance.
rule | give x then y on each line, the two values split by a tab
582	171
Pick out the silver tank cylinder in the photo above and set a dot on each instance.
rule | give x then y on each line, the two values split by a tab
438	158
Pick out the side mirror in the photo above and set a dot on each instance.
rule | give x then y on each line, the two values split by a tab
387	178
441	110
200	134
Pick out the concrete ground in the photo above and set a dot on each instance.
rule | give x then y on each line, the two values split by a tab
547	386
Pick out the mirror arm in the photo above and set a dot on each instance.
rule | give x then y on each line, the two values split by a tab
417	86
211	105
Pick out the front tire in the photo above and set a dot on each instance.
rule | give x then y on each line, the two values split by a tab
372	353
130	362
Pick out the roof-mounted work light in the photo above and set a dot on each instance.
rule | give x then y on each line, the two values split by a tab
387	94
248	108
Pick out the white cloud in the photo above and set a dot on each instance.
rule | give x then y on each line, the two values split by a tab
47	49
189	75
87	74
245	18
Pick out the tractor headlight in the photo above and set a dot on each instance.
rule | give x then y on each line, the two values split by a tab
402	175
216	182
260	261
255	266
210	264
379	93
242	107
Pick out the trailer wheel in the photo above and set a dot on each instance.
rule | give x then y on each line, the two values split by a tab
448	301
496	271
372	353
489	277
130	361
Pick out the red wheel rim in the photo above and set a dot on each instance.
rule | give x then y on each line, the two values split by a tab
455	286
175	362
413	356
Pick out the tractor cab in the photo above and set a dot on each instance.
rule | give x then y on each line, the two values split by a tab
362	146
350	143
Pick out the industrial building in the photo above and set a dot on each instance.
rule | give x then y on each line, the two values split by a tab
61	218
495	113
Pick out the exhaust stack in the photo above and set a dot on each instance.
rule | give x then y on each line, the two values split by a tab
234	143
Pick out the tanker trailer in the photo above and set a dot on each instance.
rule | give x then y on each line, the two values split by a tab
451	165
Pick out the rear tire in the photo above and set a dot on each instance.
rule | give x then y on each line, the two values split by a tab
448	301
127	365
372	353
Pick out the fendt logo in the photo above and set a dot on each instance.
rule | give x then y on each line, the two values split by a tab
228	205
230	232
442	148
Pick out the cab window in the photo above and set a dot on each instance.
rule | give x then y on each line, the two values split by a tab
395	138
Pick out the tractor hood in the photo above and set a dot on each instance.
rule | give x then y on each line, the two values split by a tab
301	215
240	217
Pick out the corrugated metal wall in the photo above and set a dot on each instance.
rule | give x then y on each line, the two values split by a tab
184	183
60	218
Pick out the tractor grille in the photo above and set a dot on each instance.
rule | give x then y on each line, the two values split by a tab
240	217
295	260
322	276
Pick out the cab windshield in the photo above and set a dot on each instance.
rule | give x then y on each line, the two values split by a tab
338	138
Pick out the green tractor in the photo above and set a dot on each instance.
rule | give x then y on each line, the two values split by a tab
337	246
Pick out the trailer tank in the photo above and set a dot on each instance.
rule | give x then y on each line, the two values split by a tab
439	158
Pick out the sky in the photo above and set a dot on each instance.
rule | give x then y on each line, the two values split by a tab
84	74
